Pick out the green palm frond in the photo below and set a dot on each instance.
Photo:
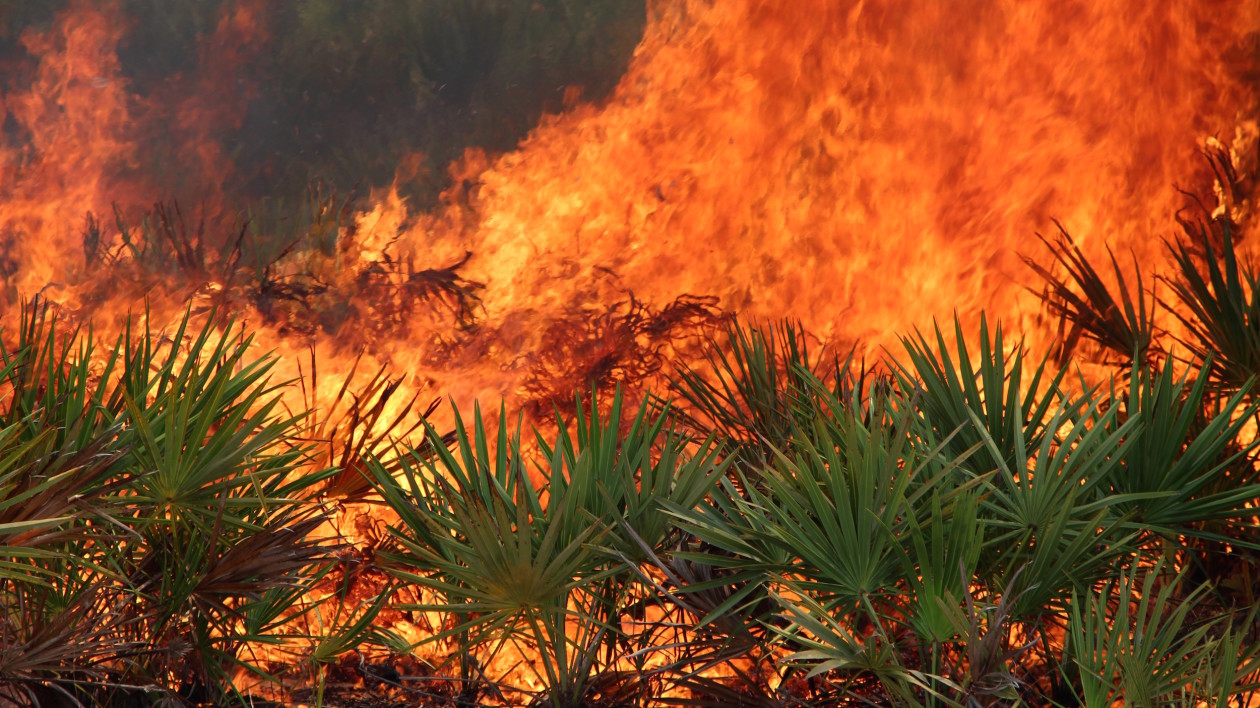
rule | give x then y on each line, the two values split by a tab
626	479
753	389
1189	463
1219	307
1124	328
1135	639
942	553
152	491
478	532
986	405
832	646
1049	517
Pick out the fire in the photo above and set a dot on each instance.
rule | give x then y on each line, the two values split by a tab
76	152
863	166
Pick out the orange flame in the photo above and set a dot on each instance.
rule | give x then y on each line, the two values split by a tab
78	154
863	165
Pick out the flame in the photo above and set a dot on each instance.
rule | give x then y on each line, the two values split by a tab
865	166
78	154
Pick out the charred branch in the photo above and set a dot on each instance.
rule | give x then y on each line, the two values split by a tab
627	344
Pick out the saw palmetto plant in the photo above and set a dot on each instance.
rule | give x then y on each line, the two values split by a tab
979	527
146	506
993	405
546	569
1184	448
1218	304
1026	496
757	387
964	534
1121	325
1137	639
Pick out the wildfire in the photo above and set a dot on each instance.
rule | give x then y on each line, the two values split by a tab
74	152
885	169
863	166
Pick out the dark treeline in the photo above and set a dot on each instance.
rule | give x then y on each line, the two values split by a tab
341	90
